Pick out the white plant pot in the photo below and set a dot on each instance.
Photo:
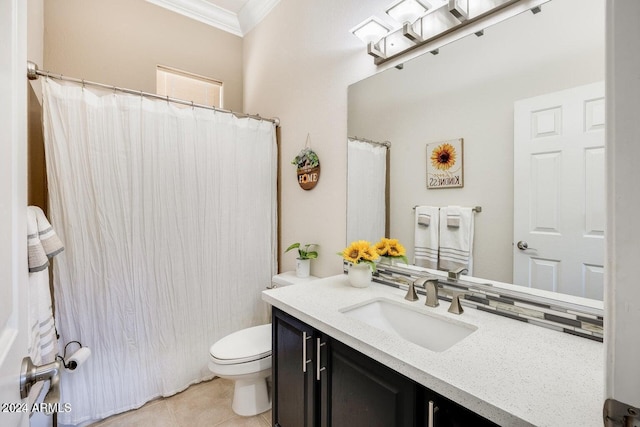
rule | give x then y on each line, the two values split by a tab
360	275
303	267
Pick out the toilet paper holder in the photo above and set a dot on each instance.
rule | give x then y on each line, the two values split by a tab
77	358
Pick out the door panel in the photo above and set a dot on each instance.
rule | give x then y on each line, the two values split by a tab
559	191
13	205
294	392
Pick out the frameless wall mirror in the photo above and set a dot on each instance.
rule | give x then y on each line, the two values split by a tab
527	97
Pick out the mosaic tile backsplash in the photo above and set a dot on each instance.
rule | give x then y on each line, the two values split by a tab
572	319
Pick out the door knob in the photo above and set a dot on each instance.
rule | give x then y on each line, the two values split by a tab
31	374
523	246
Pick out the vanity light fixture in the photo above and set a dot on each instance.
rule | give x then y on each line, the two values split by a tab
372	32
427	25
407	13
459	9
406	10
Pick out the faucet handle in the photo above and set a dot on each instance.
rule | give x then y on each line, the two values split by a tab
456	307
411	292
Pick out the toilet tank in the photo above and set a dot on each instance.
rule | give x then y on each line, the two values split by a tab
289	278
285	279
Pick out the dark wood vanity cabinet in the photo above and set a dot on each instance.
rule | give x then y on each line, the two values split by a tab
319	381
294	388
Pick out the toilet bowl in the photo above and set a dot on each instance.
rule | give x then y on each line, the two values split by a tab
245	358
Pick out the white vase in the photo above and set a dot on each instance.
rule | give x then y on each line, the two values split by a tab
384	260
360	275
303	267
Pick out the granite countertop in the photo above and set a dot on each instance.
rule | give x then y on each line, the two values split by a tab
513	373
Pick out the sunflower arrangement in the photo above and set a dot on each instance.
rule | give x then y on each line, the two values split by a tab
391	248
360	251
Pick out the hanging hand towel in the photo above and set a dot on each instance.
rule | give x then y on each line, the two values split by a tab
49	239
38	260
456	242
426	237
43	342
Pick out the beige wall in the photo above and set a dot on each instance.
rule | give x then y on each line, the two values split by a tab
298	63
120	42
37	182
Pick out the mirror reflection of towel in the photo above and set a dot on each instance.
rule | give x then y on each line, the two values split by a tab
426	236
456	243
424	220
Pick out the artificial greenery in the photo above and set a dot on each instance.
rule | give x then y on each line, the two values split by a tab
303	251
306	157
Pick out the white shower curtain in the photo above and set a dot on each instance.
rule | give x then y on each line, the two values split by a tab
366	184
168	216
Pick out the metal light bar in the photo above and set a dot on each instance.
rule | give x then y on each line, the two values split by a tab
445	23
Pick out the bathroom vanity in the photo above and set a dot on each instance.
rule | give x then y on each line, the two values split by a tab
321	381
333	365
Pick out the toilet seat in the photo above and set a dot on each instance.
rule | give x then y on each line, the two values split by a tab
243	346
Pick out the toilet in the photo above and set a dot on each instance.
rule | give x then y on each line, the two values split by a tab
245	357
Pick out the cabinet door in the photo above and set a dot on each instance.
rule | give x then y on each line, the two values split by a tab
447	413
293	372
363	392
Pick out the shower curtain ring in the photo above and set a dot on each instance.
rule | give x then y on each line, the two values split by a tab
82	84
192	105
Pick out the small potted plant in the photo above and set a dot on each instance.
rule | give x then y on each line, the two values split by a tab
305	255
361	256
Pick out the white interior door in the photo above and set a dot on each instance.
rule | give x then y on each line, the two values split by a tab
559	191
13	205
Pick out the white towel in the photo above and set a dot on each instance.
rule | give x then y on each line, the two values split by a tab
38	260
456	242
43	341
426	237
49	239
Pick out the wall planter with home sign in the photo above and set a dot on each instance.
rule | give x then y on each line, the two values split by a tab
308	166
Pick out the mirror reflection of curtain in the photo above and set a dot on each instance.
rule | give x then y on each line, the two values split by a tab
366	185
168	216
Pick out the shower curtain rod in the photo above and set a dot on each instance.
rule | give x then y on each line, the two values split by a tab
385	143
33	73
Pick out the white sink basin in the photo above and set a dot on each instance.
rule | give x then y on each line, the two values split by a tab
414	324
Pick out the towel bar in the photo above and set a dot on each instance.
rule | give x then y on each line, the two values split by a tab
476	209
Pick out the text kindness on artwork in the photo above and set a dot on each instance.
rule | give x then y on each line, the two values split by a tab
444	164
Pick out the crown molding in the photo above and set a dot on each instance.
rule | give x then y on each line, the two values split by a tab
238	24
253	12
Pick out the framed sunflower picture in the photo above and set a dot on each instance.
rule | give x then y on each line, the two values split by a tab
445	165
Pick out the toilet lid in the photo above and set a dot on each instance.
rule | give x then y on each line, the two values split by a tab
243	346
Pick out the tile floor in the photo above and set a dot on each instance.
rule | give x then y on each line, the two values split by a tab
207	404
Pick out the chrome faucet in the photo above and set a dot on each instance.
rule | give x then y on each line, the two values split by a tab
455	274
431	288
